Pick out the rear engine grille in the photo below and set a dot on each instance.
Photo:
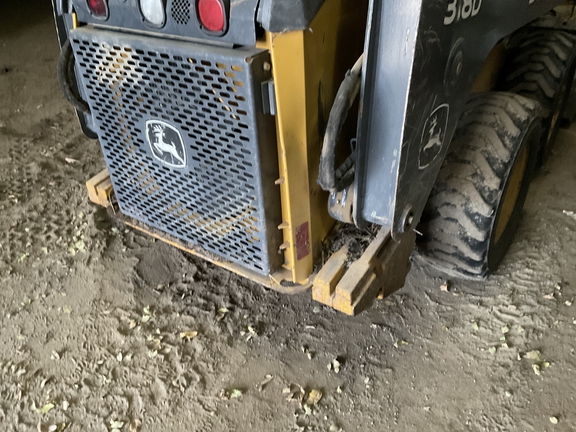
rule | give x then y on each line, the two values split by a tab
188	149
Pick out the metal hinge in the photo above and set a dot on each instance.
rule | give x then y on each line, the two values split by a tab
269	97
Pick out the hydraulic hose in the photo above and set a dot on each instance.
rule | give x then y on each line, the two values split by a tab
67	78
329	178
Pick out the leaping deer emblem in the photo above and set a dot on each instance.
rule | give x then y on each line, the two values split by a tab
164	147
434	133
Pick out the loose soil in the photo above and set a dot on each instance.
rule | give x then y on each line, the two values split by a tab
98	321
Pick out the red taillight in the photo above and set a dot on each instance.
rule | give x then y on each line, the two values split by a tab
98	8
212	15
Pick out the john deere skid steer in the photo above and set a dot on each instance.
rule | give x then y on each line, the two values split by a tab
309	144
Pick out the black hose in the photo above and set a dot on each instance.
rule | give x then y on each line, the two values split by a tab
329	178
67	78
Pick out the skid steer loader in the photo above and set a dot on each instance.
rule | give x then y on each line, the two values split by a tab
309	144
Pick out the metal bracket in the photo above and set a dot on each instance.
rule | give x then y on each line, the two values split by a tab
340	205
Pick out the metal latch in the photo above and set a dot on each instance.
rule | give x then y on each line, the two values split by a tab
269	97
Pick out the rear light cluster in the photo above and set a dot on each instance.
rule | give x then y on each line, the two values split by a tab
154	12
212	14
98	8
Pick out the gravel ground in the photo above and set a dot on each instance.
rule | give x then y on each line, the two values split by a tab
104	329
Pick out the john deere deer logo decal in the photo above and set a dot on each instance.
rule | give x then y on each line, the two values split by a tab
433	135
166	143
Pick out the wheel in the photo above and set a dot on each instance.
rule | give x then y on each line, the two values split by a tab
474	208
541	67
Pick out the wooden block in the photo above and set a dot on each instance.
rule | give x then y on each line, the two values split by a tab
104	191
328	277
93	183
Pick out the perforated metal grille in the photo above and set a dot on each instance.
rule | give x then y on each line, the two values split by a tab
181	11
217	201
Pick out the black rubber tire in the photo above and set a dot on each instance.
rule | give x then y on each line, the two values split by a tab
540	66
459	223
67	78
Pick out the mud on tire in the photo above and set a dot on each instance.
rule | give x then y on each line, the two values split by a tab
462	229
540	66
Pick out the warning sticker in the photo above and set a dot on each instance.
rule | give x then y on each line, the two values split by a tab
302	241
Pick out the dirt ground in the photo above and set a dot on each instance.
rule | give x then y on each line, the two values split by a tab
98	322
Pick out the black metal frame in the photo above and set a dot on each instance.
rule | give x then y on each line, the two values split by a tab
422	57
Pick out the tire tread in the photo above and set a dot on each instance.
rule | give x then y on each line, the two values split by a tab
537	66
458	219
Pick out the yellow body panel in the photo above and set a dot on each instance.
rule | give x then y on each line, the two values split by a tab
288	70
308	67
